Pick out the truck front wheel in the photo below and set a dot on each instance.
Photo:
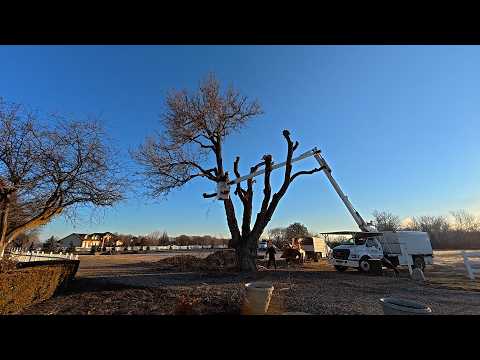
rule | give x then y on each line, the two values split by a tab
364	265
340	268
419	263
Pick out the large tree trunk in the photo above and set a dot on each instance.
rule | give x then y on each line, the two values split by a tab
247	254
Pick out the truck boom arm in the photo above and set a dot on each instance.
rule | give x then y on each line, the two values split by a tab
356	216
328	172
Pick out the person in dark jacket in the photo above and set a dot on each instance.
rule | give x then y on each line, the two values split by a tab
271	255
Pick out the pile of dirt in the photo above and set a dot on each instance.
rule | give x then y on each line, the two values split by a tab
182	263
219	260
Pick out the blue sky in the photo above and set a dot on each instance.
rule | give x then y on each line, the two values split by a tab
399	125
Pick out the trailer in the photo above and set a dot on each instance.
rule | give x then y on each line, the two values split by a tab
314	247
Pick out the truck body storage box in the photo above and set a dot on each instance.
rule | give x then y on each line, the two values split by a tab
415	242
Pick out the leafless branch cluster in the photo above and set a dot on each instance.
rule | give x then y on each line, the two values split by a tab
385	221
45	169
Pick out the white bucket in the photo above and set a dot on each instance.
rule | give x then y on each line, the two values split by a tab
258	296
396	306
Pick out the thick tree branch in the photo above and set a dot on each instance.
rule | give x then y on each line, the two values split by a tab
295	146
306	172
267	190
203	145
240	192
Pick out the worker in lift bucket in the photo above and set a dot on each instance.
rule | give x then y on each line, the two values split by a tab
271	255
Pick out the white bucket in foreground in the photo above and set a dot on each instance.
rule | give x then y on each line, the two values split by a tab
257	299
396	306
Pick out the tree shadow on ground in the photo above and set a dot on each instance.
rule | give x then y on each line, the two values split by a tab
149	278
82	285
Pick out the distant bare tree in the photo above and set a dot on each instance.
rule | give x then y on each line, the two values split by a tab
465	221
27	240
278	236
182	240
164	239
386	221
51	244
48	168
195	127
430	223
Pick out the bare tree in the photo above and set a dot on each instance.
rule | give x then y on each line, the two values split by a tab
278	236
182	240
386	221
159	238
464	221
430	224
46	169
165	239
195	127
27	240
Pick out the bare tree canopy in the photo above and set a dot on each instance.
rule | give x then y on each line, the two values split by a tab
385	221
465	221
278	236
195	126
48	167
430	223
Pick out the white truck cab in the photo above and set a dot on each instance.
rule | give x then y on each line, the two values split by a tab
356	251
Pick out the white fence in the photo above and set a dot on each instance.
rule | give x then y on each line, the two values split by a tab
158	247
28	256
470	265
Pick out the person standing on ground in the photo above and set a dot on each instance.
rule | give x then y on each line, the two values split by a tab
271	255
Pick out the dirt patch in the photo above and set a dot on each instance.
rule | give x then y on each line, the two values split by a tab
33	283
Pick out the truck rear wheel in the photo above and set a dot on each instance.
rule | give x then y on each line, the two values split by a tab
340	268
364	265
419	263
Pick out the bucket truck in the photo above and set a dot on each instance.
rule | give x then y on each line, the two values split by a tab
411	248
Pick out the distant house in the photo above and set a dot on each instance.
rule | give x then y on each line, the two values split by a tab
98	239
74	239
